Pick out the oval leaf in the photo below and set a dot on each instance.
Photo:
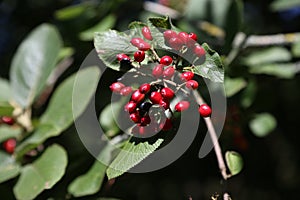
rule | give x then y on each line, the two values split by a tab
9	168
262	124
234	85
7	132
33	63
234	162
5	94
43	174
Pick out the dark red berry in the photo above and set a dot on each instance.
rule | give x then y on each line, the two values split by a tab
144	46
135	117
7	120
155	97
191	84
10	145
145	88
168	34
137	96
193	36
204	110
122	56
169	72
183	36
186	76
130	107
167	93
157	71
182	106
139	56
167	125
164	103
145	120
116	87
199	51
175	43
147	33
126	91
166	60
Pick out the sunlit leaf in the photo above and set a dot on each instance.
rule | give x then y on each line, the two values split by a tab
234	162
9	168
262	124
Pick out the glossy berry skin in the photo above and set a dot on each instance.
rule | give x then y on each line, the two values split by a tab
166	60
165	104
199	51
186	76
122	56
136	41
126	91
157	71
130	107
116	87
193	36
204	110
191	84
168	34
135	117
145	88
167	93
139	56
145	120
7	120
182	106
175	43
145	106
137	96
147	33
10	145
167	125
155	97
169	72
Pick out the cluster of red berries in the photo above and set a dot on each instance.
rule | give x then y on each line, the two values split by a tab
8	145
154	94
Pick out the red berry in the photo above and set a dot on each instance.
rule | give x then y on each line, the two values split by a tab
167	125
145	120
186	76
122	56
116	87
158	71
7	120
169	72
176	43
199	51
10	145
166	60
147	33
135	117
164	103
183	36
204	110
130	107
193	36
136	41
167	93
191	84
139	56
168	34
182	106
155	97
145	88
126	91
137	96
144	46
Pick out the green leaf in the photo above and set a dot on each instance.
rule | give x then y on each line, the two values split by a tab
7	132
65	52
296	49
70	12
285	70
33	62
90	183
64	107
267	55
161	22
234	162
9	168
110	43
42	174
212	68
262	124
131	155
281	5
105	24
6	109
234	85
5	94
248	94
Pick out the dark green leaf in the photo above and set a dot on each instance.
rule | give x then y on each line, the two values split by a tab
234	162
234	85
7	132
105	24
5	94
131	155
161	22
42	174
9	168
281	5
110	43
6	109
248	94
262	124
285	70
33	62
212	68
